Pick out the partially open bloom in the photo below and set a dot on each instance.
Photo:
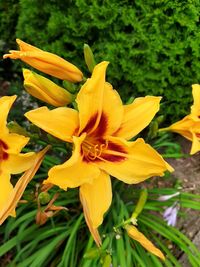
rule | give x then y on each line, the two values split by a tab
146	243
99	131
46	62
11	160
189	126
45	90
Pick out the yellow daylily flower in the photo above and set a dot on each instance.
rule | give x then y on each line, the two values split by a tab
135	234
100	130
46	62
189	126
45	90
11	160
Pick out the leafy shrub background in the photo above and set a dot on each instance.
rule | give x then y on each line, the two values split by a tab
153	46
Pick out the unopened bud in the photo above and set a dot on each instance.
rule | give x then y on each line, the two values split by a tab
160	119
44	198
89	57
153	129
45	90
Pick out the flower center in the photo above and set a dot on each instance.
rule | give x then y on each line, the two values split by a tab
92	150
3	153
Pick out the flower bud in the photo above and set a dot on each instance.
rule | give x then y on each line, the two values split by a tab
89	57
46	62
44	198
45	90
133	232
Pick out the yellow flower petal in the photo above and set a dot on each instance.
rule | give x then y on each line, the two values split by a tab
24	47
146	243
90	99
5	105
61	122
94	232
74	172
109	121
17	192
97	198
195	108
195	144
132	162
45	90
6	188
17	163
46	62
182	127
112	111
15	142
138	115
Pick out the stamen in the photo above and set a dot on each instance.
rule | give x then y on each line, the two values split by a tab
93	151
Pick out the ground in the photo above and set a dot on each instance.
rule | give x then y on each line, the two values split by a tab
187	170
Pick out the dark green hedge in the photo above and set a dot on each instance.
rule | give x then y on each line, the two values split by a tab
153	46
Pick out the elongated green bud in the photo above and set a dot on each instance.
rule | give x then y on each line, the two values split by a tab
160	119
140	205
153	129
89	57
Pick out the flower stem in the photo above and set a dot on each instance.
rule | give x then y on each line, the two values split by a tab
163	129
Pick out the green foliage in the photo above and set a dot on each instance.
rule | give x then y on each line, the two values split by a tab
153	46
9	11
63	240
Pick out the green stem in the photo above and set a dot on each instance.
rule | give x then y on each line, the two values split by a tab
138	209
163	129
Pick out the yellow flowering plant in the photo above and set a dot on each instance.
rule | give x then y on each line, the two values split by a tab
100	143
189	126
13	162
98	135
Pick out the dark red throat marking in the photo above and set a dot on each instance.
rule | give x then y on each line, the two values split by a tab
3	145
3	153
116	148
100	129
